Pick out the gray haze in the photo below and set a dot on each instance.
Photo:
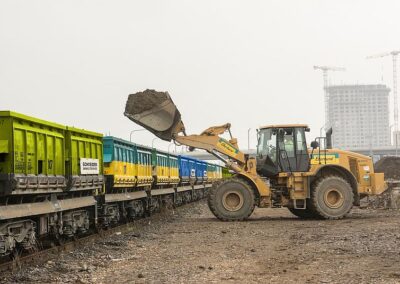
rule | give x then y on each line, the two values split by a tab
244	62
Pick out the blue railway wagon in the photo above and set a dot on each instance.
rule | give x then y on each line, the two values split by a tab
187	169
201	172
204	169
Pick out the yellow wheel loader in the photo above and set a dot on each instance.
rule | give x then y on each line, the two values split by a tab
319	182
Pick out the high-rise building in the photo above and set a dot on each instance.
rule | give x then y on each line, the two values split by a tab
359	116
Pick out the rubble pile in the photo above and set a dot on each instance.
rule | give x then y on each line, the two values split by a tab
390	166
390	199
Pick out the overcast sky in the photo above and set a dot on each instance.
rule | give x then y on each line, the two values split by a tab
245	62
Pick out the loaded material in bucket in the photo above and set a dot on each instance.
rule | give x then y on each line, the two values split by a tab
156	112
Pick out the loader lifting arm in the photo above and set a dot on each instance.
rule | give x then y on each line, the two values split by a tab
210	141
156	112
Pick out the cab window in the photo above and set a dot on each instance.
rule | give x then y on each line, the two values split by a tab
300	140
286	141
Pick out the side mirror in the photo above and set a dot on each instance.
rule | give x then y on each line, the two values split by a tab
314	144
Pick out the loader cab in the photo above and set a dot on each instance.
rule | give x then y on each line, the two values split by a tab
282	148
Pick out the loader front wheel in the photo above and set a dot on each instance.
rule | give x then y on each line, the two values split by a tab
331	197
232	200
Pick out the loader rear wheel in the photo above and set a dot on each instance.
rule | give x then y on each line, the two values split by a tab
302	213
331	198
232	200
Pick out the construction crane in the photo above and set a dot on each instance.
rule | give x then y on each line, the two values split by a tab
394	54
325	70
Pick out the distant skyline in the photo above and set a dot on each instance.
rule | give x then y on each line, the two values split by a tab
245	62
360	115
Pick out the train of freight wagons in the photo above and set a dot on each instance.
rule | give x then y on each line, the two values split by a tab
59	182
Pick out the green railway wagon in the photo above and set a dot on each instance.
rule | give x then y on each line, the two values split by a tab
226	173
32	155
49	177
84	163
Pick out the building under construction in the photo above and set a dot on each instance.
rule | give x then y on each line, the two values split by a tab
359	115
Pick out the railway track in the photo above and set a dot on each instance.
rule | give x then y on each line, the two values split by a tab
46	254
43	255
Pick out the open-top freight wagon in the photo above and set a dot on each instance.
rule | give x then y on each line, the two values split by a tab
54	185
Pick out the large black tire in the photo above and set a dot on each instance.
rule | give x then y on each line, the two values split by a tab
331	198
302	213
232	200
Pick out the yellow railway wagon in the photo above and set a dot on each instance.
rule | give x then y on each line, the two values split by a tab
165	168
126	165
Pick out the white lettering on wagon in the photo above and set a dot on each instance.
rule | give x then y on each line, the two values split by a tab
89	166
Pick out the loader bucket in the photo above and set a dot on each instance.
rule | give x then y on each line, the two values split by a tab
156	112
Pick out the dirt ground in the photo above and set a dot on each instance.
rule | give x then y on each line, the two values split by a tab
189	245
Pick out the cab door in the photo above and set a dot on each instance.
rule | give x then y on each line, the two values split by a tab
302	158
286	150
293	155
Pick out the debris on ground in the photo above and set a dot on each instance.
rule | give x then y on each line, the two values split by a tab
390	199
274	246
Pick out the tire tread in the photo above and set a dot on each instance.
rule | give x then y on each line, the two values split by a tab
212	200
314	198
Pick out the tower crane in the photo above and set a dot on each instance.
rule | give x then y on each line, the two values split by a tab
325	70
394	54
